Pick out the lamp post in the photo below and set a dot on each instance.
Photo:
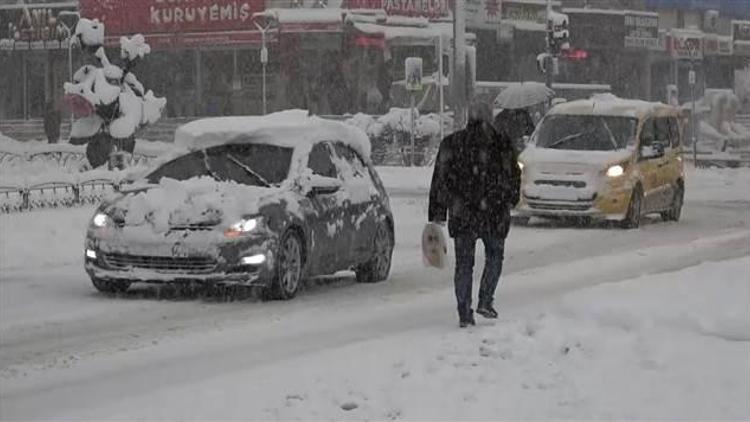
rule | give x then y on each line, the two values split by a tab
263	59
691	81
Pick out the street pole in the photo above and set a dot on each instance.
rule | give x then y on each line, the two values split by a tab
459	63
691	81
413	128
548	61
77	16
440	84
263	62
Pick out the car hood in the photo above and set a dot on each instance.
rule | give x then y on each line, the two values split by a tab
190	203
591	159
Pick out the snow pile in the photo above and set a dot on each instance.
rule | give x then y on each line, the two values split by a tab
38	162
398	120
191	201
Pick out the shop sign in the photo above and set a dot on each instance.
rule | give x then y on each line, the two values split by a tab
641	31
123	17
526	12
413	8
483	14
686	45
715	45
35	28
741	30
725	46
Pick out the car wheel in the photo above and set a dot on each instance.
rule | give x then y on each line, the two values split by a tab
288	268
110	287
378	268
675	212
635	207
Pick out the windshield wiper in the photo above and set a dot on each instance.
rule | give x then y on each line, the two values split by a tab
248	170
565	139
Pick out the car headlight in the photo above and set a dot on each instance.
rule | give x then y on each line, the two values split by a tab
243	227
521	165
101	220
615	171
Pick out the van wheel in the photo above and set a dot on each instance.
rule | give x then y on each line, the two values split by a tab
635	207
675	212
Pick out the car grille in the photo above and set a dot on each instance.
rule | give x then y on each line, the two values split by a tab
192	227
160	263
557	206
566	183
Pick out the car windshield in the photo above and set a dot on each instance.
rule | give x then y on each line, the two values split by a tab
249	164
586	133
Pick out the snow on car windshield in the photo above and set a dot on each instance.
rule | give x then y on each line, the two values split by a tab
249	164
586	133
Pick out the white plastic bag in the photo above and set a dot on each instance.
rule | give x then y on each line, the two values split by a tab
434	246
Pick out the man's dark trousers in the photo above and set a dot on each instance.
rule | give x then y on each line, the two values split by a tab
494	250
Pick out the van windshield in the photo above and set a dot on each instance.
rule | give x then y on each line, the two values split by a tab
586	133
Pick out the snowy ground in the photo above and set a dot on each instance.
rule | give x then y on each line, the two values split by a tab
595	323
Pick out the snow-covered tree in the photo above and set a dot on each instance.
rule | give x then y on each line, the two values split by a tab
109	102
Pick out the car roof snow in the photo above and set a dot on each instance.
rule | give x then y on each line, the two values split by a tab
291	128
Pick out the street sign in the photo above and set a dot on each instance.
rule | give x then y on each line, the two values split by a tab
413	73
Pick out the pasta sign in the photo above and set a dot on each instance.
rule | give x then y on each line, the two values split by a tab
172	16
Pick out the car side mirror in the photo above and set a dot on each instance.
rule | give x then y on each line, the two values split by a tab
321	185
656	150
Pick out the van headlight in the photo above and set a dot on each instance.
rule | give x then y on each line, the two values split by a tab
615	171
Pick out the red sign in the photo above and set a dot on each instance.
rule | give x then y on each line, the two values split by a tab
125	17
414	8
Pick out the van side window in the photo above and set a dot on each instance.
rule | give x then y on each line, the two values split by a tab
674	129
663	135
648	133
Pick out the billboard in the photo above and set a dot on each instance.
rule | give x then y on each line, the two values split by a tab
125	17
641	31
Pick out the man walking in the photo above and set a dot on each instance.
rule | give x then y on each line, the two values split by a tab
476	182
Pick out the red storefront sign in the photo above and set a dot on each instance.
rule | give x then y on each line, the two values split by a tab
413	8
178	22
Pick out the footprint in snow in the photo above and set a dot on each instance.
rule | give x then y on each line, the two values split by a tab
349	406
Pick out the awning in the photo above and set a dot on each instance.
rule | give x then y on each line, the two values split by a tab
410	35
235	39
303	20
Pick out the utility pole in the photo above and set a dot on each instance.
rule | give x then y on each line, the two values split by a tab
548	61
459	64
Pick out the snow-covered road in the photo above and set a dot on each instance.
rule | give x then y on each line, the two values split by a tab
69	352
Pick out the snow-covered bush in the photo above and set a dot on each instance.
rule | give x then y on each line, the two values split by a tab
392	131
109	101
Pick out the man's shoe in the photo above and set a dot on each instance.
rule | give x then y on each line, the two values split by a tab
465	322
487	311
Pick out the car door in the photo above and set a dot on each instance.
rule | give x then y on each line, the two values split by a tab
330	243
665	137
649	161
362	196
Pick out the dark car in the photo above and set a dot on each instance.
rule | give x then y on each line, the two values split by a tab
257	207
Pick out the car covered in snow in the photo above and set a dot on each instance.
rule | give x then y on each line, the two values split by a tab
255	201
604	157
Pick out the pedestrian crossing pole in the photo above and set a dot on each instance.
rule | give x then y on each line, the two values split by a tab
458	75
